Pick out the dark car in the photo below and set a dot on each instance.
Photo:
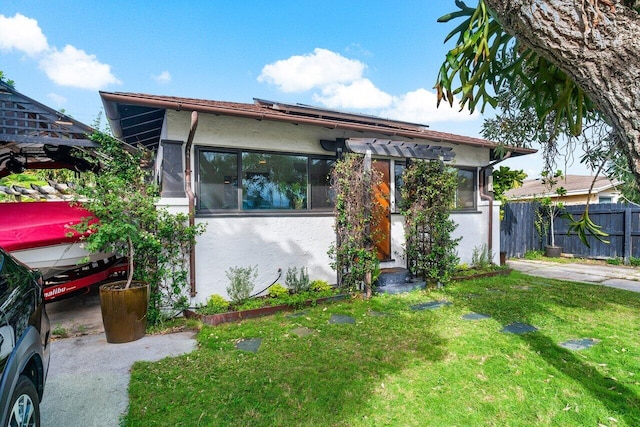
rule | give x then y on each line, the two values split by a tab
24	343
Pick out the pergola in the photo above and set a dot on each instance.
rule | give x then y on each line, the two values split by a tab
34	136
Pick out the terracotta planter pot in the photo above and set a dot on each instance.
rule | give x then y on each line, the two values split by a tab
124	311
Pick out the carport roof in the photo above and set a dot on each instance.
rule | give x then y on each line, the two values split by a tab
138	118
35	136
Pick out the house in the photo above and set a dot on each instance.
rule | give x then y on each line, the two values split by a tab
604	190
257	175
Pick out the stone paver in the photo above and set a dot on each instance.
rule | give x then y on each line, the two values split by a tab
431	305
581	344
303	332
250	344
519	328
475	316
341	319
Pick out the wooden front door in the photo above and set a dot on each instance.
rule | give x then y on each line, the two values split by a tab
382	228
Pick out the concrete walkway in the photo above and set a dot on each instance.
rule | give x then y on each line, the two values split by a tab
620	277
88	378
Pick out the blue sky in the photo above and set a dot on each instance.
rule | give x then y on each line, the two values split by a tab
374	57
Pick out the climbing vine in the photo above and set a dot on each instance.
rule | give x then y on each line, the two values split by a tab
354	253
428	194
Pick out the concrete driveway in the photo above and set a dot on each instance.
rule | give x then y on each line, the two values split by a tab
620	277
88	378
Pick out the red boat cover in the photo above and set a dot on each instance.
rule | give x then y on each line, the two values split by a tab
35	224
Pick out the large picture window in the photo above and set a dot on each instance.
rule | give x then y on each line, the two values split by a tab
254	181
274	181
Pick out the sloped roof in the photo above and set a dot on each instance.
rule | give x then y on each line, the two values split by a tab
137	118
574	184
35	136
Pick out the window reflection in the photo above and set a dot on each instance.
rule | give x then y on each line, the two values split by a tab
274	181
218	179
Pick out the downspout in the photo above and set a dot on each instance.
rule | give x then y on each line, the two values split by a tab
484	195
191	197
488	197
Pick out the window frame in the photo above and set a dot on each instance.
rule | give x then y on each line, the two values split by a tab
239	210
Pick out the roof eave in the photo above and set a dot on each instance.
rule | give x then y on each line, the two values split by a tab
110	101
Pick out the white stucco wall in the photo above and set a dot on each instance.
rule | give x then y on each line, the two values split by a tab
274	240
266	242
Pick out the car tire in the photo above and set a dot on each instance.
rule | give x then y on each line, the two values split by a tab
25	405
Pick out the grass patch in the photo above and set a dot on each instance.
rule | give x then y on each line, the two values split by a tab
395	366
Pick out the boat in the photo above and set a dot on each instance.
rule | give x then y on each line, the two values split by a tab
42	236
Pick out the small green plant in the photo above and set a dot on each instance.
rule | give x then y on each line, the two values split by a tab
482	257
615	261
278	291
251	304
241	283
635	262
320	286
59	331
215	304
297	283
533	255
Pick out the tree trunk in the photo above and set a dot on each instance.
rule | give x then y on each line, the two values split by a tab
597	45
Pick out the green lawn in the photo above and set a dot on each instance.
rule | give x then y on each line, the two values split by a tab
406	367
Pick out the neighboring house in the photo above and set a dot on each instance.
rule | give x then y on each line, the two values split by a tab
259	174
604	190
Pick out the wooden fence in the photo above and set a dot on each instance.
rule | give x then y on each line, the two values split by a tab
518	233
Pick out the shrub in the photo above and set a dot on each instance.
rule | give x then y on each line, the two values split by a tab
278	291
428	194
320	286
241	285
482	257
215	304
614	261
634	261
297	283
533	255
251	304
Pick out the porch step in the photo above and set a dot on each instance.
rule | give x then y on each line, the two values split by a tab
396	280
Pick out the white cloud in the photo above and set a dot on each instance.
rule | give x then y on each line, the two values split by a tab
58	100
338	83
162	78
70	67
359	94
22	34
300	73
74	67
419	106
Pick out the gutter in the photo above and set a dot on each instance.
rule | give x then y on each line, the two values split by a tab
191	198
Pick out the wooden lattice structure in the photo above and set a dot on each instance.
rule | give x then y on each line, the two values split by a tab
34	136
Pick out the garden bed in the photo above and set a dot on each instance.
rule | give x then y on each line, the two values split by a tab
233	316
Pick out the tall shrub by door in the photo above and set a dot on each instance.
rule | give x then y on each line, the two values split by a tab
354	254
428	194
